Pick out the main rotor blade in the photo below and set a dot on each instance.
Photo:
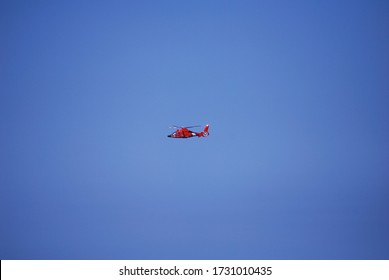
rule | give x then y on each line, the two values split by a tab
192	126
177	126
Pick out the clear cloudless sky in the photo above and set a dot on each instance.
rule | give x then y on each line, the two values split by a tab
296	94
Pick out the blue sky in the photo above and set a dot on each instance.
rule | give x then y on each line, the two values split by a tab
296	164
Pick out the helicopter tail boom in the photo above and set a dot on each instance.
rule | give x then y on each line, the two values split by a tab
204	133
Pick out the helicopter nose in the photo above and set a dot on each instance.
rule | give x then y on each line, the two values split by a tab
169	136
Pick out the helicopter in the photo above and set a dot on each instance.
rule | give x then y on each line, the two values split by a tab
184	132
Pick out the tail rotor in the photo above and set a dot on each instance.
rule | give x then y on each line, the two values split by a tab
205	133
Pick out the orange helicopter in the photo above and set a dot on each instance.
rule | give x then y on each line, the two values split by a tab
184	132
